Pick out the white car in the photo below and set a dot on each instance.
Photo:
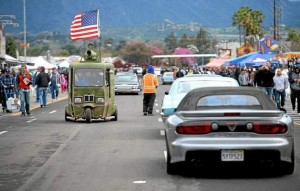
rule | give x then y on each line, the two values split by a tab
182	86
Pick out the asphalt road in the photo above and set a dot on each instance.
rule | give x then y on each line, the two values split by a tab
45	153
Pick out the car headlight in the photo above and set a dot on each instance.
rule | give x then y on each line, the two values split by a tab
78	100
100	100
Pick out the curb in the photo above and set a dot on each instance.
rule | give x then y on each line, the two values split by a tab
36	106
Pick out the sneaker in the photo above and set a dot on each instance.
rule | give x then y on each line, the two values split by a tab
23	114
145	113
28	113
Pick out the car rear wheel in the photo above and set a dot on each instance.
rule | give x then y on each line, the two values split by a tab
88	115
171	168
288	167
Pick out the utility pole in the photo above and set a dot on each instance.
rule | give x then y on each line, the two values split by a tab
274	20
24	17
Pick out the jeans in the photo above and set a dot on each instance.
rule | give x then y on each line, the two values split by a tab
43	96
25	100
279	98
37	94
54	91
268	90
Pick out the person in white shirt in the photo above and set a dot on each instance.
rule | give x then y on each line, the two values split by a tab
281	83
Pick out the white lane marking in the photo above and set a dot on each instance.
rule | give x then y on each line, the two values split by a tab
165	154
2	132
156	104
162	132
53	111
139	182
31	120
157	111
159	119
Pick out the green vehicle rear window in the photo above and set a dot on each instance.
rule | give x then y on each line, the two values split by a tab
89	77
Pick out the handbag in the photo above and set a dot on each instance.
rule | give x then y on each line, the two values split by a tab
295	86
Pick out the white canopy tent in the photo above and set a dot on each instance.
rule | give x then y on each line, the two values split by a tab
39	61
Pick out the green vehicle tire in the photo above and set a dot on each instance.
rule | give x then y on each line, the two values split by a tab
66	116
115	114
88	115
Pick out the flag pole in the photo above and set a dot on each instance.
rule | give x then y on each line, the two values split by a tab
98	24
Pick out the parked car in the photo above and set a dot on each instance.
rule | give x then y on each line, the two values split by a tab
224	125
182	86
126	82
167	78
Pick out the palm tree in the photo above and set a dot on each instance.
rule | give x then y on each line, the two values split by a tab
249	20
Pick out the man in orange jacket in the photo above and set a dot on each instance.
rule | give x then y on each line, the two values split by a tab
150	83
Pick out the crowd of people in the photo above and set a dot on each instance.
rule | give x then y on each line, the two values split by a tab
20	85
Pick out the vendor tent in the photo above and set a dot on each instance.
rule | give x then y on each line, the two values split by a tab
39	61
216	62
256	59
252	59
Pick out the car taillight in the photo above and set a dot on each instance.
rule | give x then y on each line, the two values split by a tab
232	114
262	128
194	128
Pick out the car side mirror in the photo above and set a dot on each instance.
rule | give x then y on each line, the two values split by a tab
166	93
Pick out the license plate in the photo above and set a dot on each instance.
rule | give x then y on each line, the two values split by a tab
232	155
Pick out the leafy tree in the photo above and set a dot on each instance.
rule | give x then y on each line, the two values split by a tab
72	50
136	52
185	41
203	42
121	45
11	47
294	38
171	42
64	52
248	20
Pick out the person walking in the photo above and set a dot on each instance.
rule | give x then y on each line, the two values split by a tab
150	83
54	83
244	78
280	85
37	95
63	83
295	89
42	82
23	82
8	87
267	83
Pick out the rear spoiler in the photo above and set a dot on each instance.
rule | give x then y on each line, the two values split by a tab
230	113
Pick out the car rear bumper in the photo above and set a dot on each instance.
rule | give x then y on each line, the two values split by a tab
182	146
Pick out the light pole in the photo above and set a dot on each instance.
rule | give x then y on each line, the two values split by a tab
24	17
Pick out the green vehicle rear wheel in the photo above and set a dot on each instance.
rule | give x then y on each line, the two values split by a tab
88	115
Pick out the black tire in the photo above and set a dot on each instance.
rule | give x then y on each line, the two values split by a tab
66	116
88	115
171	168
288	168
115	114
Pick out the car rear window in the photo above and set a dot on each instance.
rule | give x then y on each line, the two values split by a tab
125	78
228	102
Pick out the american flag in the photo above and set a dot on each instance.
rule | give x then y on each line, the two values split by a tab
85	26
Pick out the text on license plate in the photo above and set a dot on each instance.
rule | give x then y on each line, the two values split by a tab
232	155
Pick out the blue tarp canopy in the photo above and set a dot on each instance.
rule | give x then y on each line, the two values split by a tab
257	60
252	59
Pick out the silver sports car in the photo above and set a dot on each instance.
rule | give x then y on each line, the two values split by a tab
224	125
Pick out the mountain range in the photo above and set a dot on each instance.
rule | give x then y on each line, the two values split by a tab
57	15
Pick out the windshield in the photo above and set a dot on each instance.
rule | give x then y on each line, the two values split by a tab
89	77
